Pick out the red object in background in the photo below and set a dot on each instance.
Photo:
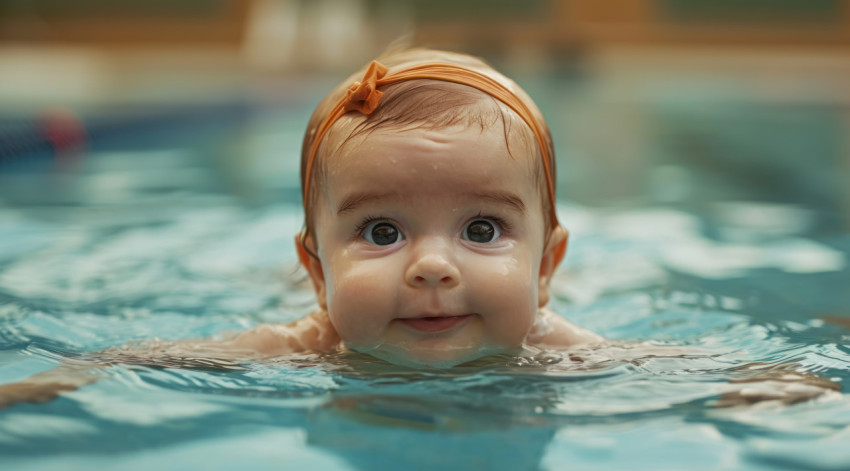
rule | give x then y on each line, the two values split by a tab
66	133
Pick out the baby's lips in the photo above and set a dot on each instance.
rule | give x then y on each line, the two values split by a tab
434	323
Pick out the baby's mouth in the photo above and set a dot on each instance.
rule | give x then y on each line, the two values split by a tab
433	324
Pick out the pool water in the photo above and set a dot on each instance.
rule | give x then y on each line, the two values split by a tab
690	299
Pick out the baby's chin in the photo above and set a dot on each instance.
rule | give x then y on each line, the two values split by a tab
442	358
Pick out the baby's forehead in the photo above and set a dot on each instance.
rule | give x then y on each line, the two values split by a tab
425	169
447	162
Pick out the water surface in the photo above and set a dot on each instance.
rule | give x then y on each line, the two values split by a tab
691	299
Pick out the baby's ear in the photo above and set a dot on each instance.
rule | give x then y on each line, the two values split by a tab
556	248
313	266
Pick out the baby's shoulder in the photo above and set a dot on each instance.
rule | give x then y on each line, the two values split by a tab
310	334
552	330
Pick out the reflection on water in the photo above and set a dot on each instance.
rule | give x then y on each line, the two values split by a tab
696	304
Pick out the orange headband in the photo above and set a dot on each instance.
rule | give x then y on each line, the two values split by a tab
364	97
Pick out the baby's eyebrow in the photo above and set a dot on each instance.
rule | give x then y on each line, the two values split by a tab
502	197
353	201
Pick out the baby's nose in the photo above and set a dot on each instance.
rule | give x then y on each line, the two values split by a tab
433	267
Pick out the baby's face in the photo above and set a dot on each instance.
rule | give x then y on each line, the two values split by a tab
430	245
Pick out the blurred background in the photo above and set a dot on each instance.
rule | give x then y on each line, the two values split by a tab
149	154
685	103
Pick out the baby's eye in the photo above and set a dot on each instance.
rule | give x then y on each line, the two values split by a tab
482	231
381	233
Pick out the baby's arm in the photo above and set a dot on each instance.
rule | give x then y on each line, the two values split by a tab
783	384
313	333
47	385
552	330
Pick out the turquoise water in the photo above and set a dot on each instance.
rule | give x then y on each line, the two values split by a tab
691	298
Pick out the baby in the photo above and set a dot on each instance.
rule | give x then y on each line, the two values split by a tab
430	231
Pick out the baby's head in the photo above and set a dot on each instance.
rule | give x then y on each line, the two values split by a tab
430	232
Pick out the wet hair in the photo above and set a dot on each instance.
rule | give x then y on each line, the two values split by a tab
423	104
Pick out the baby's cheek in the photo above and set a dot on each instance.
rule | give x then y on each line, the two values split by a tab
508	277
358	301
509	299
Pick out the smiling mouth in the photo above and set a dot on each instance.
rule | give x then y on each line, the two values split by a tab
435	323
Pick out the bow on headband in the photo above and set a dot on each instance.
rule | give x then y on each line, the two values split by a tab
364	96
